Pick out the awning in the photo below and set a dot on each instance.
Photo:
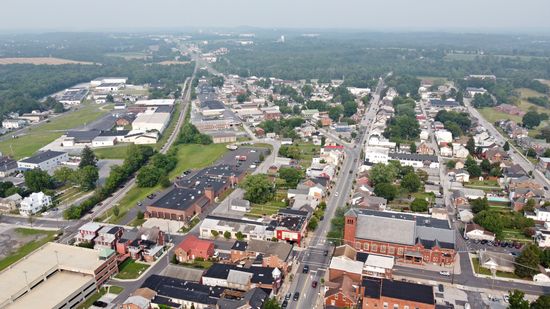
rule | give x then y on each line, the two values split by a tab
413	253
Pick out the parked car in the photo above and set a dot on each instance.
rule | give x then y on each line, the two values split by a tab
296	296
305	270
314	284
284	304
288	296
440	288
325	253
444	273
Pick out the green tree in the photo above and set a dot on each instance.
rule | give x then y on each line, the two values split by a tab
413	147
385	190
87	158
227	235
65	174
271	304
335	112
87	177
517	300
531	153
471	145
242	97
259	189
291	176
312	224
485	165
474	170
350	108
116	211
543	302
148	176
38	180
419	205
382	173
491	220
214	233
530	205
140	215
411	182
528	261
531	119
239	235
451	164
506	146
479	205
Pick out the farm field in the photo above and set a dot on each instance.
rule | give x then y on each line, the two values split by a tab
41	61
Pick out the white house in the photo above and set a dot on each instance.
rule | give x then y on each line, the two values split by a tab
476	232
446	151
34	203
540	214
13	123
443	136
415	160
424	135
47	161
460	151
240	205
462	176
101	141
376	155
286	141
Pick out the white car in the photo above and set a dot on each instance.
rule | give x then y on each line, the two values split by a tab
336	194
444	273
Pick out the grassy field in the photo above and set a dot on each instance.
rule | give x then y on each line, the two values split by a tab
199	264
115	289
115	152
471	57
189	157
515	235
171	127
127	55
130	269
308	151
43	134
484	271
28	247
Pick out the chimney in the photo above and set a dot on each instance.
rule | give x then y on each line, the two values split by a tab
209	193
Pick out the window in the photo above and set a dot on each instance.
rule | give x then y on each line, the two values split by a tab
366	246
405	307
399	251
374	247
385	305
383	249
357	245
395	306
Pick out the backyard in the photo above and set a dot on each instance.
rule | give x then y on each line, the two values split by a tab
43	134
130	269
485	271
269	208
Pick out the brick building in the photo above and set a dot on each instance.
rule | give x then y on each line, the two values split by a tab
192	247
409	238
384	293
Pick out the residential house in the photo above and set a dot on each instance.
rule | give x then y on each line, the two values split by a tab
379	266
8	166
34	203
10	203
88	232
192	247
495	154
148	245
425	149
341	293
271	254
496	260
477	232
107	236
462	176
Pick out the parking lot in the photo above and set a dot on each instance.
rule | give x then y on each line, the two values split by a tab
497	246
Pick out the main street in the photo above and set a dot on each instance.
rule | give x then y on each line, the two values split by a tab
314	254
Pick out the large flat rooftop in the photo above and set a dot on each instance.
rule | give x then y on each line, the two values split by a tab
44	261
52	291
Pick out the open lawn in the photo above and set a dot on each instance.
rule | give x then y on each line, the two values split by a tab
130	269
198	264
115	289
115	152
515	235
493	115
28	247
189	157
484	271
43	134
308	151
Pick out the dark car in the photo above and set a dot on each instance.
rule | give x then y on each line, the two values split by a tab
314	284
284	304
483	242
440	288
288	296
100	304
326	252
296	296
306	269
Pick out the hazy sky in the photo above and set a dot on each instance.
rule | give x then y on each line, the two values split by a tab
472	15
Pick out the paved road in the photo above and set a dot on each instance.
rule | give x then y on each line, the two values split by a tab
515	154
314	254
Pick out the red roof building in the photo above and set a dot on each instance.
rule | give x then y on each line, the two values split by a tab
192	247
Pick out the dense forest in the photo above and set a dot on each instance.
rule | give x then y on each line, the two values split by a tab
360	58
